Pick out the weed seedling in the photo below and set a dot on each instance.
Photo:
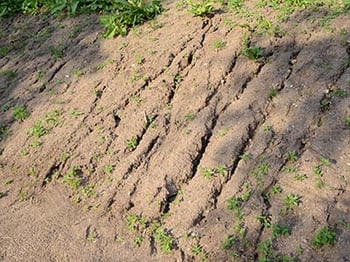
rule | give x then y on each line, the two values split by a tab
38	130
8	73
165	240
4	132
291	156
56	52
189	116
221	169
20	113
227	243
245	156
108	169
272	93
196	250
290	201
265	250
138	241
300	177
219	44
253	53
234	204
264	220
203	8
131	143
347	121
72	178
323	237
208	172
278	230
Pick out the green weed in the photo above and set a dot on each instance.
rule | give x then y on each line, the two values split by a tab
131	143
72	177
291	156
219	44
265	220
108	169
323	237
300	177
207	172
265	250
227	242
272	93
4	50
202	8
10	74
290	201
4	132
347	121
253	53
278	230
245	156
165	240
190	116
20	113
56	51
38	130
128	14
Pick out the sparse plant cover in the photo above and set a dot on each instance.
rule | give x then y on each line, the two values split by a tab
323	237
89	191
138	240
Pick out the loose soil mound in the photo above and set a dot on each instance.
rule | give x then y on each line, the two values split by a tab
170	144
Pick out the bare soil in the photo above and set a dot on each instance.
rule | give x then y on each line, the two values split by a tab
161	127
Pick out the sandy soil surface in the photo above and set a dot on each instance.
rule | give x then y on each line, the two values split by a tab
170	144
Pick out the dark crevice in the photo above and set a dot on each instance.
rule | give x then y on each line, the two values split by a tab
55	71
48	177
198	219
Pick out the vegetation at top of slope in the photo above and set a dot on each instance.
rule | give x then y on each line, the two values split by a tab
118	16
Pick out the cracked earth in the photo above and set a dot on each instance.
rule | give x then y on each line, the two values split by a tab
166	127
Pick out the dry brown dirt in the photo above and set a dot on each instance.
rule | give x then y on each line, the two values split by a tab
161	128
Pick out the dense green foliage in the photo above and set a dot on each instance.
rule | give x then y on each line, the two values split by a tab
117	15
